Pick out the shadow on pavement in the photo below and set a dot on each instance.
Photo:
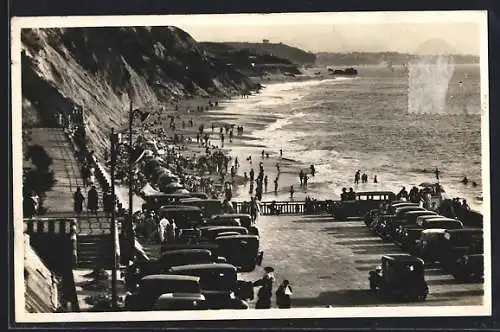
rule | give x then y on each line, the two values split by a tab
351	297
360	241
307	220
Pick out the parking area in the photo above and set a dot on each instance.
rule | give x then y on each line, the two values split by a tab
327	263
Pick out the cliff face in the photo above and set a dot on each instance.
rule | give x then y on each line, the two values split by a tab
93	68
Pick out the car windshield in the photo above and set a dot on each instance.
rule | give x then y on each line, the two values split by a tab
217	280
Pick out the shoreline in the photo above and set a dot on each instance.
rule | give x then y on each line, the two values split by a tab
248	144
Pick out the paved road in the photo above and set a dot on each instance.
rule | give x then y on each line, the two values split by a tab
328	263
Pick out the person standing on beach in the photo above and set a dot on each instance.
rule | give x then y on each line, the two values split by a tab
375	180
236	163
262	153
281	153
276	185
251	175
291	192
213	127
357	176
313	170
278	167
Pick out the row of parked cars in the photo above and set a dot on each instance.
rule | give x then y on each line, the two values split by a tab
199	269
428	239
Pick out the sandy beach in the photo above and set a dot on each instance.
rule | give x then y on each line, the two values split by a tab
242	147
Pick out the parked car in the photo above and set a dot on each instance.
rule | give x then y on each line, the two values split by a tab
156	200
410	236
456	243
245	220
151	287
400	276
240	250
468	267
208	207
387	224
219	285
183	216
364	202
209	233
180	301
408	220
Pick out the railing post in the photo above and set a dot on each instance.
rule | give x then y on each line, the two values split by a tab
74	242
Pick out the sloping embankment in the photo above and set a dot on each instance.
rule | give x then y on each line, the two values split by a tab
94	68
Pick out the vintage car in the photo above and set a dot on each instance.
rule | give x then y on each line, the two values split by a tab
182	246
386	224
188	235
154	201
180	301
408	220
219	284
201	195
245	220
183	216
468	267
364	202
209	233
410	235
240	250
400	276
208	207
456	243
151	287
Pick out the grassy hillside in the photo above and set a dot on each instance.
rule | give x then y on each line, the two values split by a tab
292	54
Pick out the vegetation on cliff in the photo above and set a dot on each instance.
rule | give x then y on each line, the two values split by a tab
95	68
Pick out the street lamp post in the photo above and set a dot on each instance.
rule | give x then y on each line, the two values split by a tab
130	238
114	231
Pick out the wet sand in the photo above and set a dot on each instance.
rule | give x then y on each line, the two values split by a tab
241	147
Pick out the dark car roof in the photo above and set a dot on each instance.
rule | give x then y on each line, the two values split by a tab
423	212
402	257
170	277
221	227
240	237
153	195
191	199
375	193
231	215
186	251
179	208
465	230
209	266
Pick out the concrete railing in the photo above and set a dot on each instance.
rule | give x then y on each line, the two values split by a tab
55	226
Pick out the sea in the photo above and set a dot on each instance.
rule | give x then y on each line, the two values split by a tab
398	123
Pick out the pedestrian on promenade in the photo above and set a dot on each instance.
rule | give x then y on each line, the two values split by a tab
266	289
283	295
291	192
92	200
78	201
305	181
276	185
265	183
85	175
107	203
254	208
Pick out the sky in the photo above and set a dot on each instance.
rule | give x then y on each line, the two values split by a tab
334	35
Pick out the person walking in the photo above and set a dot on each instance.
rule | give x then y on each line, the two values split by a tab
291	192
283	295
92	200
107	203
265	292
78	199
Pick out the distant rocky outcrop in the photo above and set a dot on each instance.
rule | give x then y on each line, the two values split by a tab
294	55
251	61
343	72
94	68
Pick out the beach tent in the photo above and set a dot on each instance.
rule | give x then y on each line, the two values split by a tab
149	190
